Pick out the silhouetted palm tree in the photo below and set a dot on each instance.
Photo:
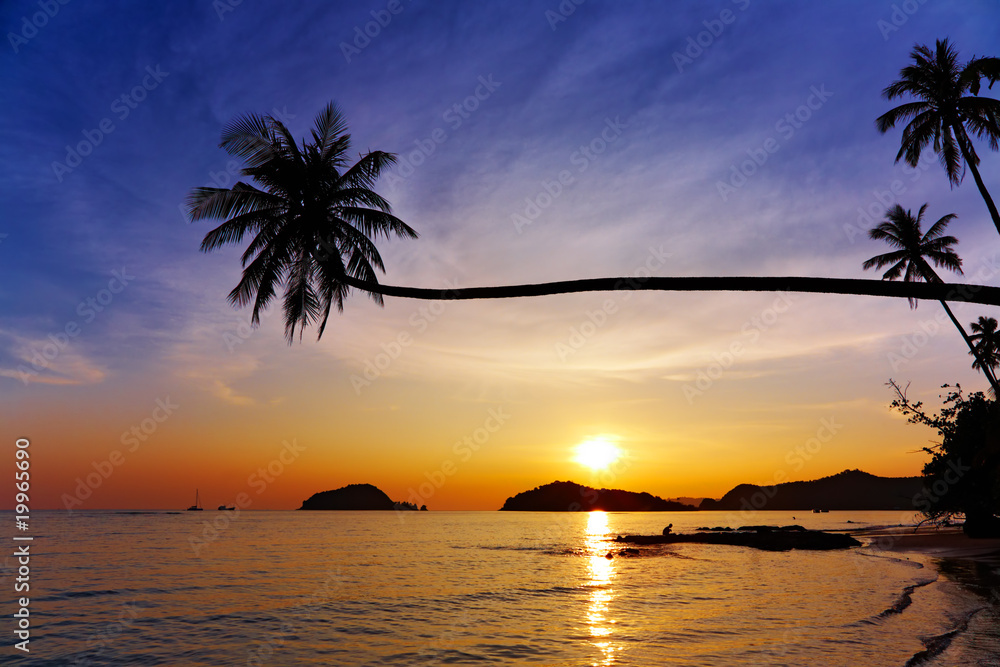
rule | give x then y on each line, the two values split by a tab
913	248
313	217
987	341
945	112
314	221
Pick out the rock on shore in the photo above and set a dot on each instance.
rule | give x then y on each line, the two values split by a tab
767	538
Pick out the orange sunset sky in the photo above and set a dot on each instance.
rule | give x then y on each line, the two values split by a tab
551	160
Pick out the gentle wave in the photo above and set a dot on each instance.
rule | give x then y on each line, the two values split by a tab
288	588
905	598
936	645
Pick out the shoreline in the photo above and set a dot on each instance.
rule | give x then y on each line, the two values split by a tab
971	564
946	542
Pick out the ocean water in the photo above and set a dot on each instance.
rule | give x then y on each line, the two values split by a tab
456	588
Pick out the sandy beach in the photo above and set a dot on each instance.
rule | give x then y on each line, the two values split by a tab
941	542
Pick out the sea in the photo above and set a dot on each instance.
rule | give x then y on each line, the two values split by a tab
483	588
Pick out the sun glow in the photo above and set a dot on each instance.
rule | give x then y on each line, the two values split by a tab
597	453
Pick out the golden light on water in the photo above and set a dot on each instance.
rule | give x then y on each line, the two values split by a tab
597	453
602	573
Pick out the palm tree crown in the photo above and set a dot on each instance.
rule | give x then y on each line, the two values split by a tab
913	248
987	341
312	216
947	108
909	260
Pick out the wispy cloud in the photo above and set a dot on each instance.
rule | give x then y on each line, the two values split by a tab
540	138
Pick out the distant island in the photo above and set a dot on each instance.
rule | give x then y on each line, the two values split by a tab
848	490
853	490
355	497
573	497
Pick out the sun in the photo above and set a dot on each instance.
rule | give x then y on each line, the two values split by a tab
597	453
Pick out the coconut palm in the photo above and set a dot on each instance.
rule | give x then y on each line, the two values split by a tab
913	249
946	112
987	341
314	221
313	217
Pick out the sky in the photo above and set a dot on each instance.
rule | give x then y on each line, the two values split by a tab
537	141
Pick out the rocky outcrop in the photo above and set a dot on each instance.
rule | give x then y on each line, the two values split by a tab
767	538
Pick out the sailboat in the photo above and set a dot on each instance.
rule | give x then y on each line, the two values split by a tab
195	507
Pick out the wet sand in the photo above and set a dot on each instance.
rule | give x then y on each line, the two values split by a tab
947	542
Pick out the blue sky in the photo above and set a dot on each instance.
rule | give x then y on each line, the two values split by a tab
601	95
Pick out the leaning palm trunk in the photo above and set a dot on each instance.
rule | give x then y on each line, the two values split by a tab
941	291
987	371
937	291
986	196
970	159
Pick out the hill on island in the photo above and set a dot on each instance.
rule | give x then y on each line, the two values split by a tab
848	490
572	497
354	497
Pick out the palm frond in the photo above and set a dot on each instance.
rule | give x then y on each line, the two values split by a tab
982	116
286	143
950	156
373	222
301	304
234	229
367	169
313	217
878	261
330	135
249	137
903	112
981	68
937	229
242	198
916	135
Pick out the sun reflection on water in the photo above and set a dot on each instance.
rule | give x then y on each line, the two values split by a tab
602	573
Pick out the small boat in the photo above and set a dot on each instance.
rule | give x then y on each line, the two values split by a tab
223	508
195	507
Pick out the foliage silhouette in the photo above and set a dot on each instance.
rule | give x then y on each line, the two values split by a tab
987	341
909	260
963	475
314	222
314	217
945	111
